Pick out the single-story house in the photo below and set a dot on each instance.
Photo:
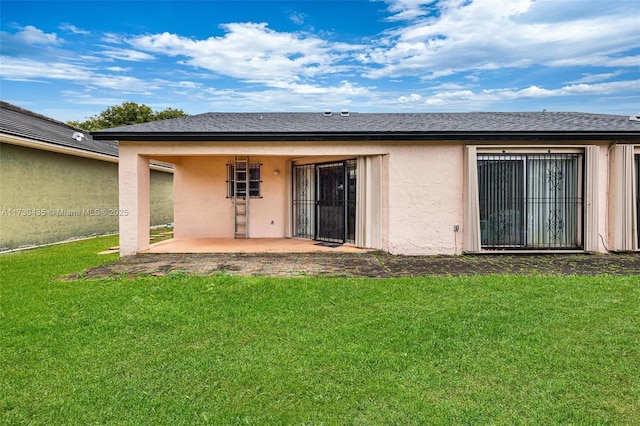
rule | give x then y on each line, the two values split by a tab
57	183
413	184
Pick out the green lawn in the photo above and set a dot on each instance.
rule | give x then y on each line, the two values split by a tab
228	350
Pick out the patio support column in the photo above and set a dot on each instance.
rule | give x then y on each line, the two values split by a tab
135	213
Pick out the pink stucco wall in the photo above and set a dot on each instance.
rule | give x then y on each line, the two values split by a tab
200	207
425	199
421	190
424	196
203	210
134	199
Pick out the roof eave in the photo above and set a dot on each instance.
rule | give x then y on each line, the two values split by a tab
358	136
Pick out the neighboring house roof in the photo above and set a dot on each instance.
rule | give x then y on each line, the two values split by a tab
378	126
22	123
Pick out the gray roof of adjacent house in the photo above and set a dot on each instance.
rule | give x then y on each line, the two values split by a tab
379	126
26	124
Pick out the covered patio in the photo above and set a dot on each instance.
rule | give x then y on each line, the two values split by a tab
251	245
269	195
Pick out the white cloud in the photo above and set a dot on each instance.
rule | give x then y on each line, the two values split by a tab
297	17
459	36
87	97
118	69
597	60
345	88
279	99
497	96
112	38
594	78
186	84
33	70
251	52
439	55
73	29
127	55
411	98
31	35
406	10
16	68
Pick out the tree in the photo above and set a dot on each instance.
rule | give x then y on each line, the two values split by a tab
125	114
167	113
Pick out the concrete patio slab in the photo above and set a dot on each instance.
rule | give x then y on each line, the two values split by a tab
371	264
251	245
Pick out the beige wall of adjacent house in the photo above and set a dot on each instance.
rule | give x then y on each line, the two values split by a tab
47	197
161	200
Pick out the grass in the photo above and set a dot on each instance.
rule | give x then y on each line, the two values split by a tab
228	350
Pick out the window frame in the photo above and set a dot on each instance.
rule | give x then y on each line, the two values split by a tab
255	182
587	213
539	206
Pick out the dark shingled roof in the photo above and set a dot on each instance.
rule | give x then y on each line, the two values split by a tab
20	122
378	126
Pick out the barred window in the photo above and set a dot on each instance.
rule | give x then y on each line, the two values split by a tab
253	181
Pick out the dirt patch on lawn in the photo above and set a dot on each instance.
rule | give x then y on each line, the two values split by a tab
369	264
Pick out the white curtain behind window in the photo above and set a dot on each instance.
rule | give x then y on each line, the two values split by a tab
624	212
553	201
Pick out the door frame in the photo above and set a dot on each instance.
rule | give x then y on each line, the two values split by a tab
310	208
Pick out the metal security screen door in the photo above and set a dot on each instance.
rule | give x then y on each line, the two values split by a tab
324	201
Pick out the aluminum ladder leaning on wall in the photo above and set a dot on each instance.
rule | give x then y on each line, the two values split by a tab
241	196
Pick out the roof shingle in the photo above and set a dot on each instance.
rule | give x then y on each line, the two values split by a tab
385	125
20	122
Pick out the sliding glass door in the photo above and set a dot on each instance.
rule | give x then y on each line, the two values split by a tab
530	201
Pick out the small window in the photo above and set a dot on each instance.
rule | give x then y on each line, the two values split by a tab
253	181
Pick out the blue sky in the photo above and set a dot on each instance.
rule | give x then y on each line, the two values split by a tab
70	60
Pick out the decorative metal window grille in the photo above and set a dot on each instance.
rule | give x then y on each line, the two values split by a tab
351	174
531	201
253	181
304	201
